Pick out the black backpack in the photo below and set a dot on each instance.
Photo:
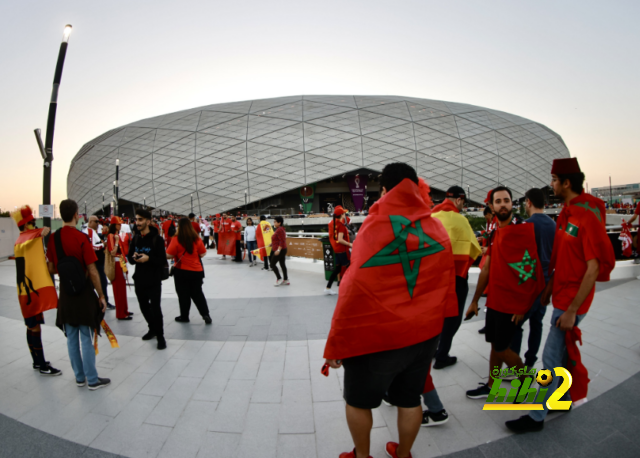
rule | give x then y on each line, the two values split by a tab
172	230
70	270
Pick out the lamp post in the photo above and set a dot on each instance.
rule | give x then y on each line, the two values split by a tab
144	203
47	150
192	203
103	204
115	184
85	211
114	201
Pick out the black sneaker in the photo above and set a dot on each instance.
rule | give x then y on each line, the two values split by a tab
525	424
48	370
148	336
162	344
102	382
179	319
111	306
130	313
481	392
207	319
126	318
81	384
434	418
441	364
483	330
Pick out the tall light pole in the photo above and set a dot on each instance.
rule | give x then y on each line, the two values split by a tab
85	211
115	183
103	204
51	123
192	203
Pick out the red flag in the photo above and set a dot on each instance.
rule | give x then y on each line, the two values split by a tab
515	273
579	373
401	283
227	243
626	239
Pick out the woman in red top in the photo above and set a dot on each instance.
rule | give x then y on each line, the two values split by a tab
339	238
118	250
279	251
188	273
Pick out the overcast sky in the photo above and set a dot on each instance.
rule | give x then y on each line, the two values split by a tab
571	65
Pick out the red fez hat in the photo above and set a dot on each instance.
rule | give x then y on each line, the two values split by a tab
23	216
488	199
338	211
566	166
116	220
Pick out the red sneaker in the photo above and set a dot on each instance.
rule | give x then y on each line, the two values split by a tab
391	449
350	454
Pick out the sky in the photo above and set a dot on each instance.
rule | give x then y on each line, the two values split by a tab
566	64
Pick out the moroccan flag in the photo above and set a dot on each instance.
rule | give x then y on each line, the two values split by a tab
626	239
401	282
264	232
227	243
515	273
464	243
36	291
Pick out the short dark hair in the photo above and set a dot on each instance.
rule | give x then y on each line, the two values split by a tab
498	189
576	180
486	210
394	173
146	214
279	219
536	197
263	218
68	209
192	215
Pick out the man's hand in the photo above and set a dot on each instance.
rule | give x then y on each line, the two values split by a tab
545	298
473	308
484	250
517	318
334	363
45	231
103	303
142	258
566	321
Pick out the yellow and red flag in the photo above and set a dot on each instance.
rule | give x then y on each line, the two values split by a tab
36	291
264	232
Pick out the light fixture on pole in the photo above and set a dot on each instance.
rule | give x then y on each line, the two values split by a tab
103	204
46	150
192	203
245	201
85	210
115	184
144	203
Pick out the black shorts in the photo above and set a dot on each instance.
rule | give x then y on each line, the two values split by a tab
400	373
500	329
342	259
34	321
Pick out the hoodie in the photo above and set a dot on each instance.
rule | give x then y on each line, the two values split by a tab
148	273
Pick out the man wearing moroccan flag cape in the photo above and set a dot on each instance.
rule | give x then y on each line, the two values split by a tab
513	274
226	238
582	254
36	291
392	304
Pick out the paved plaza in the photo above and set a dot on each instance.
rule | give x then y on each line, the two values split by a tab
250	384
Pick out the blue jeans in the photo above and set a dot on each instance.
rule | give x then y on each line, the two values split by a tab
84	365
535	316
252	245
432	401
554	355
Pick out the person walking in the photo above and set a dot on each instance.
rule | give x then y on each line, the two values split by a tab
465	251
94	231
188	272
118	249
339	238
250	241
236	228
216	229
205	229
147	252
266	232
80	311
279	252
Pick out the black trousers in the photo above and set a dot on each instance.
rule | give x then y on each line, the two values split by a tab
149	300
189	288
266	262
238	251
205	240
215	239
103	276
452	324
279	259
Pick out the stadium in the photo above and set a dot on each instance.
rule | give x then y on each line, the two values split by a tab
308	153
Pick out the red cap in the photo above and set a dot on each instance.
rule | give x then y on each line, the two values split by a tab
488	199
565	166
116	220
338	211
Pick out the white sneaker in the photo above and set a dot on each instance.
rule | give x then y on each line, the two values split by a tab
329	292
278	283
250	264
285	282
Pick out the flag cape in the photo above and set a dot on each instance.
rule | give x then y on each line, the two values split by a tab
36	292
463	241
401	283
264	232
579	373
626	239
515	272
589	210
227	243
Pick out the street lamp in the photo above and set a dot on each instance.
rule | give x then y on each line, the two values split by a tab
191	203
47	150
115	184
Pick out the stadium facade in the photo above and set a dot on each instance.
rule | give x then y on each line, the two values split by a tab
226	155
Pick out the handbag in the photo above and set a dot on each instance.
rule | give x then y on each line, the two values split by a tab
171	271
109	265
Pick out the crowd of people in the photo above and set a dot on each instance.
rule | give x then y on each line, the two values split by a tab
403	287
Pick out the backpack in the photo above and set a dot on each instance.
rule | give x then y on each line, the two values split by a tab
70	270
172	230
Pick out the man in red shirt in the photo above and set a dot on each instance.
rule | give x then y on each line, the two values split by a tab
194	223
236	226
79	314
582	254
216	229
168	230
339	238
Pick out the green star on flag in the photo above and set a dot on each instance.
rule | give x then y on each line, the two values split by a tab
595	211
519	267
396	251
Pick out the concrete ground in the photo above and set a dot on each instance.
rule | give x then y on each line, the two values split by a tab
250	384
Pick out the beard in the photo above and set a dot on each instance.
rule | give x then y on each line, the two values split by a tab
502	216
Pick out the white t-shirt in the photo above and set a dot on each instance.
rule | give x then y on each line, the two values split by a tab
205	229
95	240
125	228
250	234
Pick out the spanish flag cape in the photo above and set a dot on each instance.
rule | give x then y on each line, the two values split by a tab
264	232
515	273
401	283
463	241
36	291
226	239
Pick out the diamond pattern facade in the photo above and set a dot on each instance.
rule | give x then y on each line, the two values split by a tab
267	147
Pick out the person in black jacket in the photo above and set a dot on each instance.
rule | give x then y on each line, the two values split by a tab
147	252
